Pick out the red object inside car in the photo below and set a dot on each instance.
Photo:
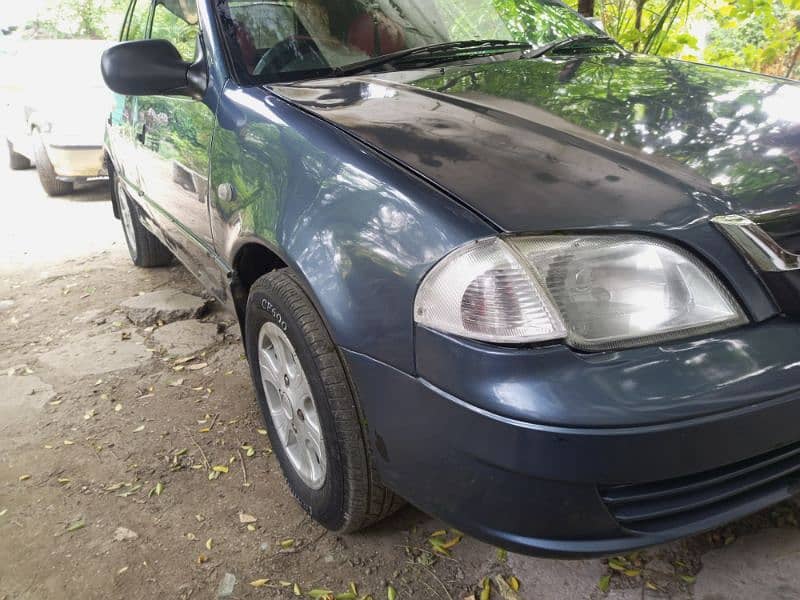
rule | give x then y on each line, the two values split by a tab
375	37
248	48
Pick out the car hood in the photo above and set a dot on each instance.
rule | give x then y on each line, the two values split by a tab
600	141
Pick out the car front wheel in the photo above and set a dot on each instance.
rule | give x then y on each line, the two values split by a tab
311	413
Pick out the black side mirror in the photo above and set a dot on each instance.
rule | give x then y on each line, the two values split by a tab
151	68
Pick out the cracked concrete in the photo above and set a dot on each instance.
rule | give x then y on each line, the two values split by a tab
165	305
85	354
23	394
183	338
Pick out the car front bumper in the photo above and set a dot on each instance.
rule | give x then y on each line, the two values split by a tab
590	488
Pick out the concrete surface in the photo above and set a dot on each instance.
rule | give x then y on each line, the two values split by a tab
39	230
553	579
183	338
23	394
763	565
86	354
165	306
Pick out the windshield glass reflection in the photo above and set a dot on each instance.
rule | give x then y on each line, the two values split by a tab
283	40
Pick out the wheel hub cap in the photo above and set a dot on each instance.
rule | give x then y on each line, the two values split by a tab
291	405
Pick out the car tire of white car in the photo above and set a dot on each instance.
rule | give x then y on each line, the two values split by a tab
17	161
348	495
47	174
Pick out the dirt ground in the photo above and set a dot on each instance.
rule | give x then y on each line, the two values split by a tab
133	461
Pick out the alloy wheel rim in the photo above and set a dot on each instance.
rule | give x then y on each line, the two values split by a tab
291	405
127	218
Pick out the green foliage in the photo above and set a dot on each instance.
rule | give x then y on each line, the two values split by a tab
650	26
523	20
85	19
757	35
174	27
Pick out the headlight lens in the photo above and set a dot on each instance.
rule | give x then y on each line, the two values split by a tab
598	292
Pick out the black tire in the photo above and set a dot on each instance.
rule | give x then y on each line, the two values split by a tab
145	249
16	161
47	174
352	496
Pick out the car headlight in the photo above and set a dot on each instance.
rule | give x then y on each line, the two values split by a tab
596	292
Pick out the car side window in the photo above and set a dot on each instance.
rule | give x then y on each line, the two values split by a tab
136	27
176	21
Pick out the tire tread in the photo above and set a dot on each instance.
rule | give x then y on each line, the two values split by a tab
368	500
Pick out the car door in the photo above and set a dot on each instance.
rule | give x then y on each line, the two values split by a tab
123	122
173	140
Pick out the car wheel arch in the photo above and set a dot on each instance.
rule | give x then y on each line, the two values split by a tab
253	259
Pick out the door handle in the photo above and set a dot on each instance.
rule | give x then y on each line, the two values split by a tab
141	135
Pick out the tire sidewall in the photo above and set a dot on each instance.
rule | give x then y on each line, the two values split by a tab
16	161
120	199
267	304
46	172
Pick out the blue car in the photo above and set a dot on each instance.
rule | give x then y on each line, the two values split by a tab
483	259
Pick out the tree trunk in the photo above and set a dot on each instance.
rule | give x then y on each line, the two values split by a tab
793	63
638	24
655	36
586	7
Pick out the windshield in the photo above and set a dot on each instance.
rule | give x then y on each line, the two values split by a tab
272	40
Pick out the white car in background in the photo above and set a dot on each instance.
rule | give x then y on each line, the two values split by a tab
56	103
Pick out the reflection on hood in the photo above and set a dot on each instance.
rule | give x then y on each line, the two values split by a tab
596	140
739	131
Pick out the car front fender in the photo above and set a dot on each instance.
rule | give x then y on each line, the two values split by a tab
358	230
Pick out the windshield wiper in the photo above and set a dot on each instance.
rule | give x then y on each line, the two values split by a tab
430	51
570	41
